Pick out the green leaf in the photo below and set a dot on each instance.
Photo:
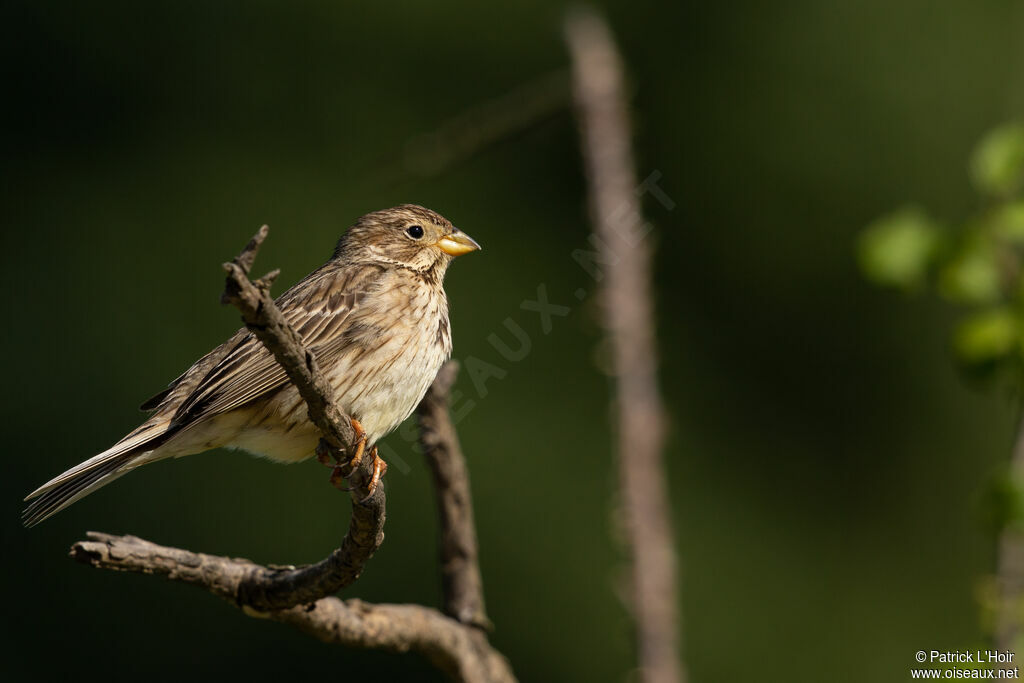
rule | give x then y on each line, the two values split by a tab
971	275
997	163
896	250
987	336
1003	502
1008	221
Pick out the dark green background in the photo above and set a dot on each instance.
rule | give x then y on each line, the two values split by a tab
826	460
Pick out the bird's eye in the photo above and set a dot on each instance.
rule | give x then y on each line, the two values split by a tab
414	231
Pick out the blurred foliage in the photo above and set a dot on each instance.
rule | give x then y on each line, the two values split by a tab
998	160
898	249
1002	505
975	264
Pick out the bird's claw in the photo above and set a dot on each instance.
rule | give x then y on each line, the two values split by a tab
338	476
341	471
330	457
379	469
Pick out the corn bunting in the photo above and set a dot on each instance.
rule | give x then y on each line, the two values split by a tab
376	317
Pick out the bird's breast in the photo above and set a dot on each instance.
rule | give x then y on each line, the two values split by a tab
391	350
381	379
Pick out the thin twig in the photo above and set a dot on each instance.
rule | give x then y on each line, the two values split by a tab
629	319
460	570
268	324
487	123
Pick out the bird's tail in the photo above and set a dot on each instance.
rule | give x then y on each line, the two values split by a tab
94	473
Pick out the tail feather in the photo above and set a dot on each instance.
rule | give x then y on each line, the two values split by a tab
83	479
56	499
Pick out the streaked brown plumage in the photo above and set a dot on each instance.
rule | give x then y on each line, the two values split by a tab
375	316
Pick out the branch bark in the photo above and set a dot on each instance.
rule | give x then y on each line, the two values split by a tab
265	320
299	595
460	570
459	650
629	320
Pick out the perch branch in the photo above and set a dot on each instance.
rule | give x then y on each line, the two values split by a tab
265	320
299	596
280	588
460	570
269	588
629	320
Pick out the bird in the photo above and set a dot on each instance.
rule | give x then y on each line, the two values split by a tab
375	316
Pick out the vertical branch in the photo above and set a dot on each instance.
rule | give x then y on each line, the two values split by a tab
460	571
629	319
1010	565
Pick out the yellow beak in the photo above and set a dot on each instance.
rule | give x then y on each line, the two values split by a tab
457	243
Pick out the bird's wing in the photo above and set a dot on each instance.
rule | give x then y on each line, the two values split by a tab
241	370
186	382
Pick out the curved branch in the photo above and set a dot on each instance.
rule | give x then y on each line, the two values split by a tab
462	652
280	588
460	570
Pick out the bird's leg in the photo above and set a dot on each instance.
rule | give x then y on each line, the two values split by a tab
360	437
341	471
379	468
329	457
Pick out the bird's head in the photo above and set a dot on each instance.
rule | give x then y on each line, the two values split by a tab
409	236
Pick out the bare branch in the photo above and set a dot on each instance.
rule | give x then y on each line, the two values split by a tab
486	123
460	570
268	324
279	588
629	319
461	651
247	257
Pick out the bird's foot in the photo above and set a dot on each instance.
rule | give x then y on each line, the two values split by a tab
360	438
379	468
338	476
341	471
330	457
